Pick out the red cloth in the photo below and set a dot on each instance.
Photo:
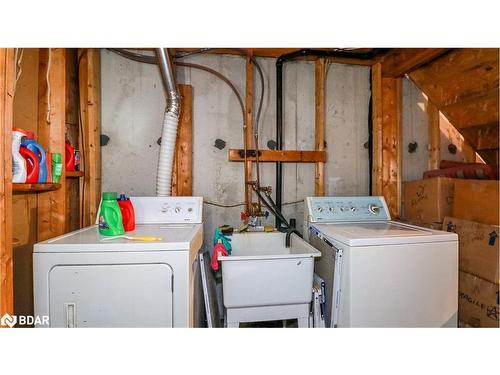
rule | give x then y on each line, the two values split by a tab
219	250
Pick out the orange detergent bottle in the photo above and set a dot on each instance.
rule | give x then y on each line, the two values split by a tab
128	215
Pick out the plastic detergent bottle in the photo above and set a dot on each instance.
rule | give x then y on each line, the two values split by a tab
32	166
56	166
110	216
38	150
128	215
70	157
18	163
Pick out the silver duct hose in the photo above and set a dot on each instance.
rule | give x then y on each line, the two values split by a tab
170	122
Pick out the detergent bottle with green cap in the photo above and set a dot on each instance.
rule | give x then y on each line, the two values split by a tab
110	216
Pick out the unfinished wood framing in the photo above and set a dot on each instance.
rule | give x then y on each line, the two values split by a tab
459	75
51	135
391	148
285	156
377	129
277	52
90	108
401	61
249	127
386	135
182	176
319	124
474	112
7	77
463	84
434	136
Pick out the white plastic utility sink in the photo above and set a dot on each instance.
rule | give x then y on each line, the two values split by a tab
264	280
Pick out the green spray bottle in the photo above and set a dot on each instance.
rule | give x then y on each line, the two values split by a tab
110	216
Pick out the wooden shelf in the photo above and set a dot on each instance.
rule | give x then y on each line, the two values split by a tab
35	188
74	174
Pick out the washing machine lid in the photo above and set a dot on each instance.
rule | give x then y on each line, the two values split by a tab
174	237
365	233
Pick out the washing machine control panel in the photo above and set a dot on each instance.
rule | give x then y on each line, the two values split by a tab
167	210
329	209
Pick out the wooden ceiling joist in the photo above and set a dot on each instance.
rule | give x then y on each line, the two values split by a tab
483	137
277	52
402	61
459	61
458	76
479	111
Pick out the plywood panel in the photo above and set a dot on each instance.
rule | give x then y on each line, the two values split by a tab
26	94
24	206
24	234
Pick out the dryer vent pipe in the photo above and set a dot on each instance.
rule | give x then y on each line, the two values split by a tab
170	122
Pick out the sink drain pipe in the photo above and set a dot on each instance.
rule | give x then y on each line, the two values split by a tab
279	100
170	122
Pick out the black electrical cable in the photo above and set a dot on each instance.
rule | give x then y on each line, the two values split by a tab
346	53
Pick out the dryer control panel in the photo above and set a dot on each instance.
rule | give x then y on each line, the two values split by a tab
331	209
167	210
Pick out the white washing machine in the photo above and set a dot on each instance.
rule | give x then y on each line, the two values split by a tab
379	272
83	279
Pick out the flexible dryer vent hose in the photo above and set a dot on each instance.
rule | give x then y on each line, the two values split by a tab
170	122
166	157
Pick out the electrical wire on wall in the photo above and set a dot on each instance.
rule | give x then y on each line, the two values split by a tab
153	60
83	151
18	58
47	77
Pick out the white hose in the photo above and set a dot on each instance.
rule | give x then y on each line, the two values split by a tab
166	157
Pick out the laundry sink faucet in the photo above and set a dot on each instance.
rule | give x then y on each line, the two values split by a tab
289	234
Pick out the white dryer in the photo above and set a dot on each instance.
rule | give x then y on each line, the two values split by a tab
379	272
83	279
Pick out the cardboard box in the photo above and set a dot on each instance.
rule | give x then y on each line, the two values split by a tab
476	200
479	247
478	301
429	200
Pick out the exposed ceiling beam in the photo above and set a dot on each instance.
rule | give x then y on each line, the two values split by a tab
401	61
276	52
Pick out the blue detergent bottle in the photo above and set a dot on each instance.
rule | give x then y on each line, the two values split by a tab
38	150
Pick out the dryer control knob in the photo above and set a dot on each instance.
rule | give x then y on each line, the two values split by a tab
374	209
177	209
